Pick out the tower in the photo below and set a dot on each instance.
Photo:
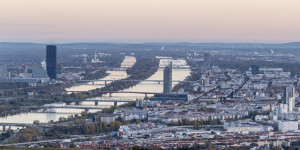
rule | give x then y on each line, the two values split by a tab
51	61
95	60
168	79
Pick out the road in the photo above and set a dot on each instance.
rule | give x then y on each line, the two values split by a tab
47	141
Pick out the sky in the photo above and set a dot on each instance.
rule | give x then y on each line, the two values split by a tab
60	21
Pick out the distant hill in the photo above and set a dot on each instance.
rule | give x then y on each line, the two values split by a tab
155	45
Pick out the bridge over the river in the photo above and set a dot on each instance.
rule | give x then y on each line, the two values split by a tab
23	125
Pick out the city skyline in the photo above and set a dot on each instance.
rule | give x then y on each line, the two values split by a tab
149	21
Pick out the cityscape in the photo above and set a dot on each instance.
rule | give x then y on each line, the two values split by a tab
134	86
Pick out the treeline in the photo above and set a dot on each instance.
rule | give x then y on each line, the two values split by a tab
206	146
113	61
29	134
136	147
90	75
244	65
79	127
196	123
13	89
144	67
13	85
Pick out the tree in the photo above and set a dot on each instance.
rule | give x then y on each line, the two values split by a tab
104	126
127	122
137	121
86	129
135	147
197	126
112	125
28	137
117	125
100	128
92	128
72	145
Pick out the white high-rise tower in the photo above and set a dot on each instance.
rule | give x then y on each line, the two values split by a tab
95	60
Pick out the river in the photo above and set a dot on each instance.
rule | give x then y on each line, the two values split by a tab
178	74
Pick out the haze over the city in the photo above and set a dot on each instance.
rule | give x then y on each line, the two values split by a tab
149	21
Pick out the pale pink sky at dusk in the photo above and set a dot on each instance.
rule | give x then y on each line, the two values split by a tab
150	20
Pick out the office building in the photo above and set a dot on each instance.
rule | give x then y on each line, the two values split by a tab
289	97
288	92
254	69
39	72
168	79
288	126
51	61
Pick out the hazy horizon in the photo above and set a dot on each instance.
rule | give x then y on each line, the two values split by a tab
139	21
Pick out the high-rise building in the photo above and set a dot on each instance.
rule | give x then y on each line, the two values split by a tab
291	103
288	92
206	61
24	68
254	69
3	72
51	61
168	79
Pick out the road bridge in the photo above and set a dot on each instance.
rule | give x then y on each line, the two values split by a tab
110	80
103	92
67	106
160	67
23	125
77	101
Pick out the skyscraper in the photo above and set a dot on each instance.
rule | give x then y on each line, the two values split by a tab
168	79
51	61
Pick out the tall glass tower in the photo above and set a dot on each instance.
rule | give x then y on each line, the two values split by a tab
51	61
168	79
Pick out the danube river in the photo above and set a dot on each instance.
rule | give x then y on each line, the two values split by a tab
144	86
